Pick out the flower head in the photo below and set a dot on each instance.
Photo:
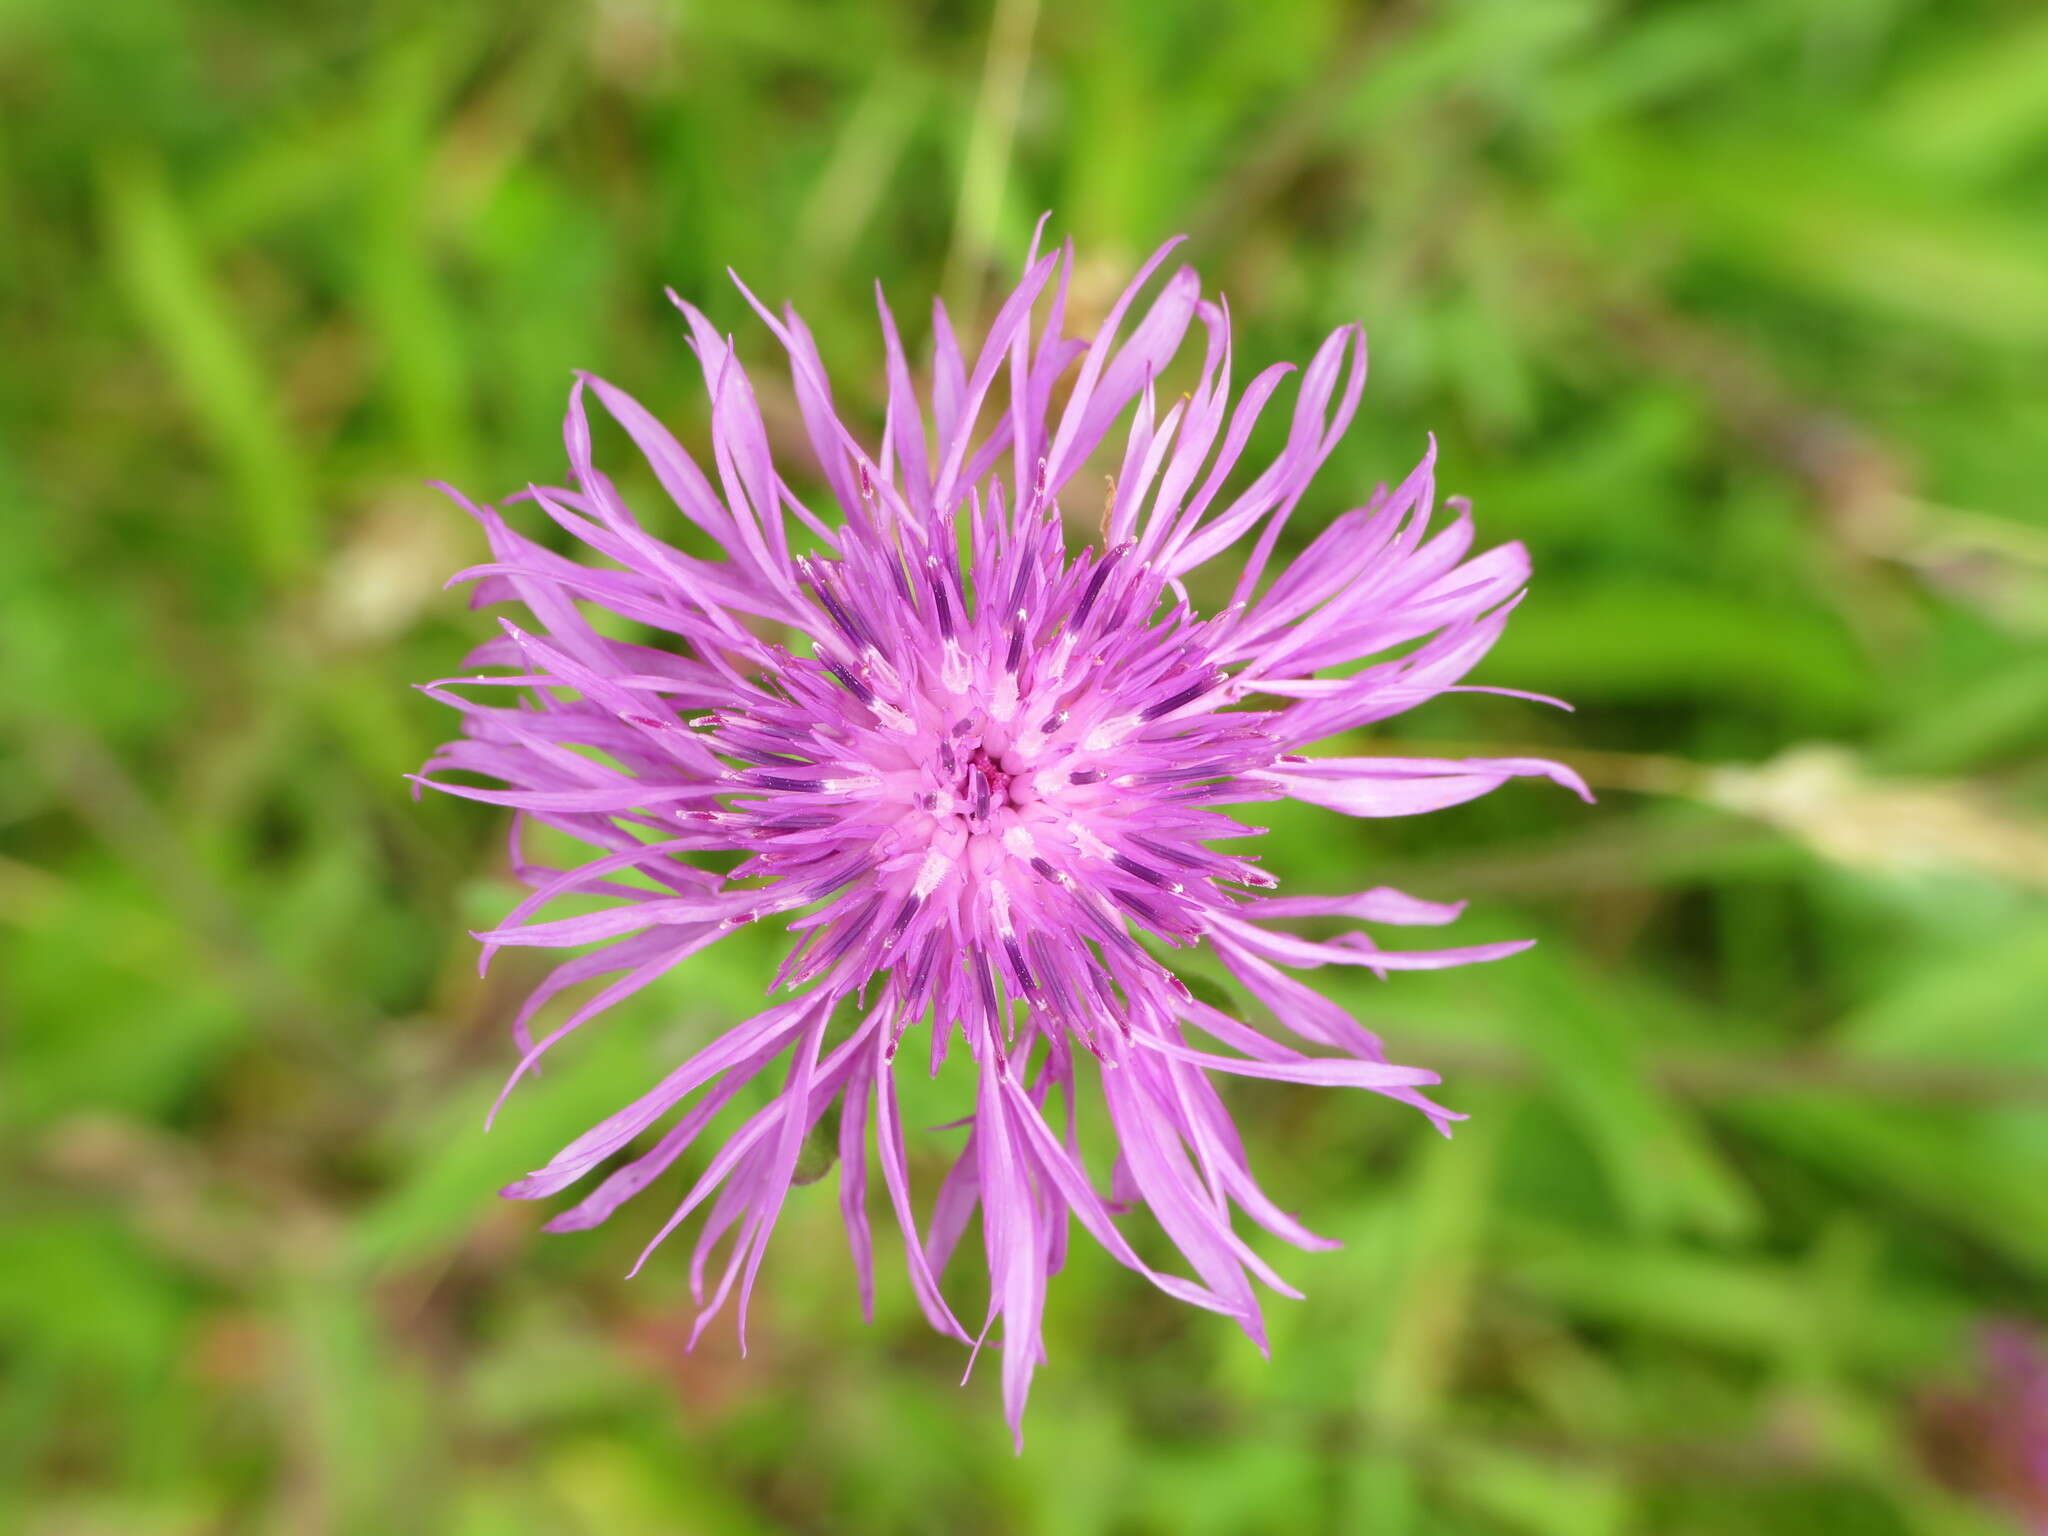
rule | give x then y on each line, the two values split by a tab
1991	1439
975	759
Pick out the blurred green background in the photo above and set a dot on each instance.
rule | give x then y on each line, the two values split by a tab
1736	312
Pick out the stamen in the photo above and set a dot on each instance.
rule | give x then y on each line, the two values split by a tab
1023	579
903	916
851	928
922	971
795	786
1036	737
852	683
1095	585
1178	775
1144	911
1131	866
943	606
1186	858
1187	695
1024	977
841	879
985	983
849	624
1107	929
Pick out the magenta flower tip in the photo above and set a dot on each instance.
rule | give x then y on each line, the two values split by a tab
975	756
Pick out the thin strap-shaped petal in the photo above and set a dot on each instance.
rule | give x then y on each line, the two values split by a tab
1407	786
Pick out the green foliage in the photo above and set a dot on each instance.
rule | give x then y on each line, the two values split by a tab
1736	313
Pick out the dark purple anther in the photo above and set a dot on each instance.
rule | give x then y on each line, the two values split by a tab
1143	910
903	916
1131	866
985	983
849	623
1094	587
841	941
1017	587
922	971
1180	775
1024	977
1185	858
846	676
1187	695
795	821
840	879
944	606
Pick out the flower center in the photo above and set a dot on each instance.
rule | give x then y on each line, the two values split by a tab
978	777
985	778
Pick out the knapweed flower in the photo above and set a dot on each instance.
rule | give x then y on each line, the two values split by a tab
974	754
1991	1439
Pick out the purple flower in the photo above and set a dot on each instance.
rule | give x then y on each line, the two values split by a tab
1992	1439
975	757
